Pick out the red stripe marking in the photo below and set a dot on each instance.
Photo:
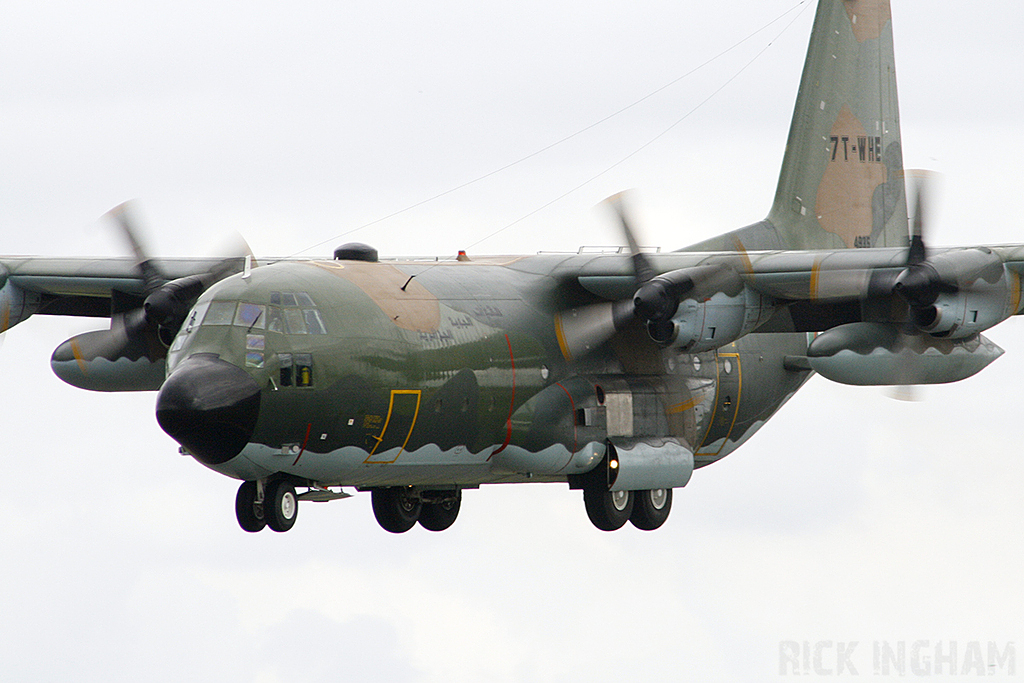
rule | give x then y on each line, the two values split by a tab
304	442
508	423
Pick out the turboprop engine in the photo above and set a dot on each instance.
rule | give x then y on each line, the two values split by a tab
957	294
131	355
700	309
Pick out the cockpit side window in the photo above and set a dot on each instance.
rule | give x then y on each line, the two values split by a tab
295	369
303	370
275	321
220	313
285	362
250	316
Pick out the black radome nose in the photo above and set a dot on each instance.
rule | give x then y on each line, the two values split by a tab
210	407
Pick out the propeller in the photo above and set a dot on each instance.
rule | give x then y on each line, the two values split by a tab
147	330
655	300
167	301
919	284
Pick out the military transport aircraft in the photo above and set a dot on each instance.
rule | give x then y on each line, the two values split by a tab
617	373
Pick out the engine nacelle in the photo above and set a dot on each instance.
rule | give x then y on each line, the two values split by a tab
979	292
711	323
15	303
970	311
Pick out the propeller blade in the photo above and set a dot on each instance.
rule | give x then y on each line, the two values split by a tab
920	284
167	301
123	216
920	186
642	268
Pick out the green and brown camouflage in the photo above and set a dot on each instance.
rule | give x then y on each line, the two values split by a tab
841	184
617	373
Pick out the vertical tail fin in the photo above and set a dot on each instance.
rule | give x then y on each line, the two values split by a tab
841	183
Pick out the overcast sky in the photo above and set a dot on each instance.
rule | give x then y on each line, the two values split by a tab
849	517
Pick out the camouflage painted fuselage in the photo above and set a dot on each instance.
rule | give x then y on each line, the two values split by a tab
453	374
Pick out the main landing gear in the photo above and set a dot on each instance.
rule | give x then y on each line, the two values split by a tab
398	508
272	504
610	510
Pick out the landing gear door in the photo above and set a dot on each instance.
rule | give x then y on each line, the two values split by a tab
728	389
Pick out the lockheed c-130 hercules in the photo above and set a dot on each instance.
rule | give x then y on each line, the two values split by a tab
617	373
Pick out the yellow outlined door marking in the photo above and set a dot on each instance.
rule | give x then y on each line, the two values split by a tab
402	412
722	424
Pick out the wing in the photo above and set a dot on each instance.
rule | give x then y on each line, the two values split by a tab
97	288
885	317
146	307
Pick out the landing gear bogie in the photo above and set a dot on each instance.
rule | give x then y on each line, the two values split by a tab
249	507
440	513
280	505
259	504
608	510
651	508
396	508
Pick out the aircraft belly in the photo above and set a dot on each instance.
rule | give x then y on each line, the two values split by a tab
429	465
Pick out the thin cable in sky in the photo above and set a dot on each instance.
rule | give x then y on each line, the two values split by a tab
576	134
646	144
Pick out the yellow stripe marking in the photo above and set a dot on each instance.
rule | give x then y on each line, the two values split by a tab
683	407
391	407
743	254
736	405
1015	293
815	270
77	352
560	335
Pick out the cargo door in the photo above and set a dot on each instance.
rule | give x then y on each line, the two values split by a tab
728	389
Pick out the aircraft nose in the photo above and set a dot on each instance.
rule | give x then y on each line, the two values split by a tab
210	407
